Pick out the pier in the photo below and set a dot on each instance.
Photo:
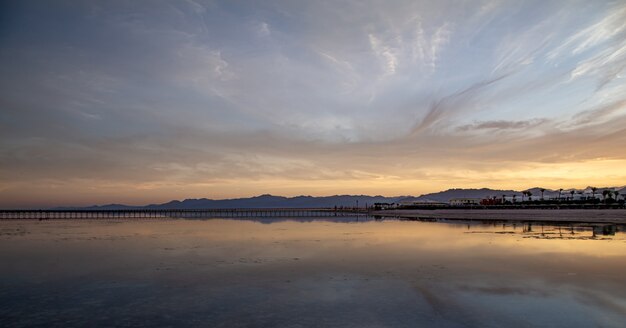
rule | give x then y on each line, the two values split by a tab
177	213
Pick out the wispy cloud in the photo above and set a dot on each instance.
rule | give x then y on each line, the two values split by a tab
427	49
501	125
607	63
599	48
385	53
606	29
263	29
453	104
600	114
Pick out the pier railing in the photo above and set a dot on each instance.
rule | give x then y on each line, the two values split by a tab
177	213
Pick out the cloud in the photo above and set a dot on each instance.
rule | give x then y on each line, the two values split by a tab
428	50
607	28
263	29
501	125
607	64
599	48
600	114
385	54
453	104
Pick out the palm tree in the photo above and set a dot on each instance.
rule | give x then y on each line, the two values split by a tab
605	193
530	195
593	192
560	191
542	190
514	197
572	193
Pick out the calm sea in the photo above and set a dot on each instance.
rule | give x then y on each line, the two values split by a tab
310	273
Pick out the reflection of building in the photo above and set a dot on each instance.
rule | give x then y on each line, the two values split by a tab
464	201
605	230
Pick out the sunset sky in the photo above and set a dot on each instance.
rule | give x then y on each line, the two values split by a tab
141	102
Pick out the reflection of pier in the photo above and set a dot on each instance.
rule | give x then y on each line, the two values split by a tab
171	213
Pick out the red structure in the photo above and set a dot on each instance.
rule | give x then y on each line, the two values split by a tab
491	201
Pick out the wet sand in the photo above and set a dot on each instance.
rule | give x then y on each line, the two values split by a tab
544	215
309	273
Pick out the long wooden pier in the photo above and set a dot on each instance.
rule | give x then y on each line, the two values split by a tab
178	213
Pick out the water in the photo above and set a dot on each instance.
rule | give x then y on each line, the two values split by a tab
310	273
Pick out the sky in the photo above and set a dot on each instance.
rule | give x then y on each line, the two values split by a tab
142	102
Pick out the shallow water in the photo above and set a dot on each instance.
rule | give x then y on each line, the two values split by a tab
310	273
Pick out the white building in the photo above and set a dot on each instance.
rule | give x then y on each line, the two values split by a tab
464	201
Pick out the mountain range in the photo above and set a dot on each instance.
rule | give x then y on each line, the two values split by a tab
270	201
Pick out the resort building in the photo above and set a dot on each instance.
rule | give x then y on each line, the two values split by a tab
421	204
464	201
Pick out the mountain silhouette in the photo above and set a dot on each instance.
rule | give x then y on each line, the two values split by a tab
271	201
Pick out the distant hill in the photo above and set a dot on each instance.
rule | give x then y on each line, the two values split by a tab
445	196
262	201
270	201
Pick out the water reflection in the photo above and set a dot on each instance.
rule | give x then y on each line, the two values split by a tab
550	230
311	272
